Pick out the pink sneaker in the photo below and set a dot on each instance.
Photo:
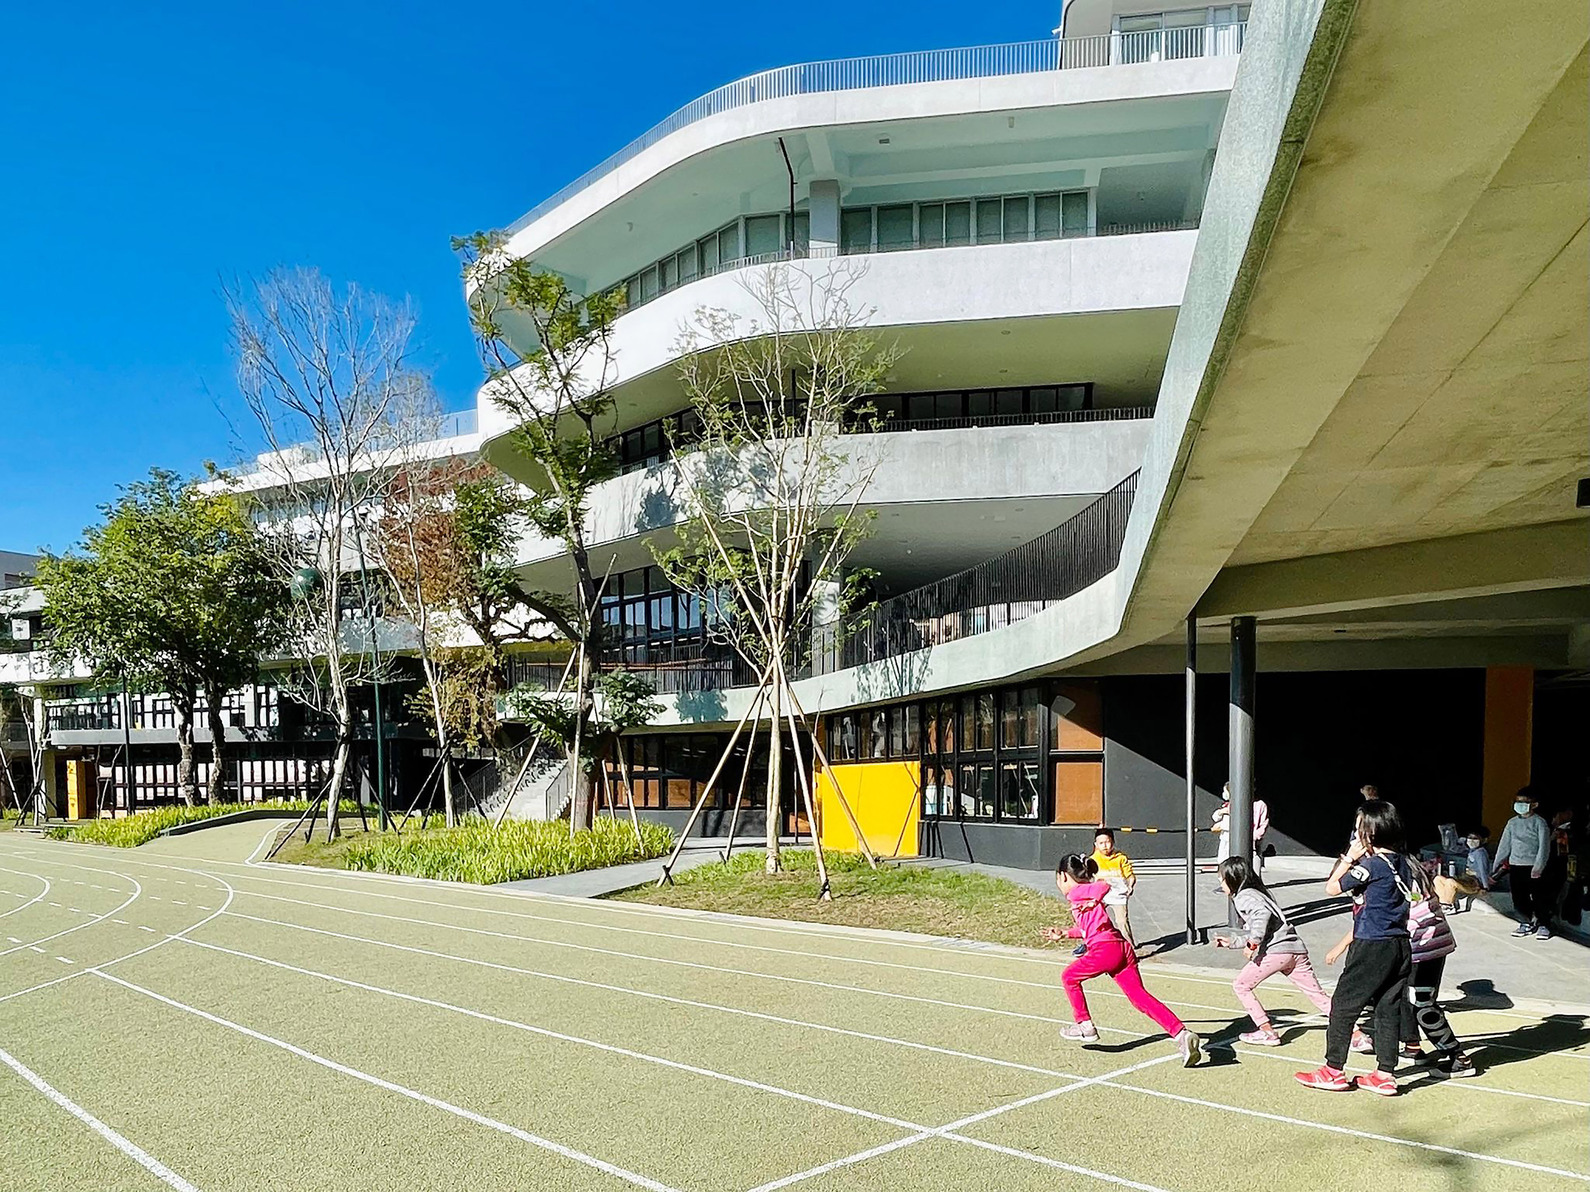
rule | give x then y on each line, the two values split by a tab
1377	1082
1080	1032
1362	1043
1264	1037
1331	1080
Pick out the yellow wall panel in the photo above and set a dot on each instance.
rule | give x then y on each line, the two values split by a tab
886	799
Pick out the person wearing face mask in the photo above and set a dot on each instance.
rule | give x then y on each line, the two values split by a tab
1523	851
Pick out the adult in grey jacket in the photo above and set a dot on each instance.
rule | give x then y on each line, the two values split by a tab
1523	851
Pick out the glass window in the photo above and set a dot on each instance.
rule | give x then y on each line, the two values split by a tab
989	224
803	233
1010	402
1075	397
632	291
878	736
979	405
897	732
1042	401
1031	703
1016	222
648	284
985	792
685	264
932	791
985	720
1046	217
729	244
708	250
946	728
855	230
763	235
911	738
1009	721
1074	214
949	405
895	229
845	746
930	225
957	223
1018	790
666	278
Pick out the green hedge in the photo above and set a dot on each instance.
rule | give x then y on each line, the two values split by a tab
133	830
477	852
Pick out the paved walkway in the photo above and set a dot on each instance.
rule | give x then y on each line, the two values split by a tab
597	883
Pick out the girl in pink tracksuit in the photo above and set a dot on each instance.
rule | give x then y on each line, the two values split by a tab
1108	952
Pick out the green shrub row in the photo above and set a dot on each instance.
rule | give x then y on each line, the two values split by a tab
142	827
477	852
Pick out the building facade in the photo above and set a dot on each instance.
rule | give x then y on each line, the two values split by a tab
1146	409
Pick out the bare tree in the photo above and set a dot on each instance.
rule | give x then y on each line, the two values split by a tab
328	378
773	487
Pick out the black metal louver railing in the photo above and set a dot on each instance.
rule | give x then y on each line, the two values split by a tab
1000	591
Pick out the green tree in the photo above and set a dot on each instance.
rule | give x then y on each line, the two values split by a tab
172	592
549	360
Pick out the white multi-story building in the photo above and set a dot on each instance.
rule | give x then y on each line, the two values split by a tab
1212	318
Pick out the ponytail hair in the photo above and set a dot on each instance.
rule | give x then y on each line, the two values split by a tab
1078	868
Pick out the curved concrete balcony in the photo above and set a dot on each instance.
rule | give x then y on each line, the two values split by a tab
976	315
1020	76
943	498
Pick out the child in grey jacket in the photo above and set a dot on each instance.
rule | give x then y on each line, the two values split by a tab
1272	946
1523	851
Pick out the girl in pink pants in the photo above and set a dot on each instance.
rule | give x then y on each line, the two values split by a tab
1109	953
1272	946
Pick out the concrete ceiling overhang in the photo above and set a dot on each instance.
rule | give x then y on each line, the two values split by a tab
1402	357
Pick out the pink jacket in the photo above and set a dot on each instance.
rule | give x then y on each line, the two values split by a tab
1087	909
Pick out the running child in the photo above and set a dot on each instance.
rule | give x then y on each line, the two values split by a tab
1272	946
1379	959
1430	942
1108	953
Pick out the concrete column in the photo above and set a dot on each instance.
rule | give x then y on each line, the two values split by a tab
823	206
1509	737
1192	780
1239	771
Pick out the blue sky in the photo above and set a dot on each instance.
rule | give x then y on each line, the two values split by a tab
149	151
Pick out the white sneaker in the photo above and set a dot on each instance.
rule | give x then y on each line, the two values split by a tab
1080	1032
1191	1048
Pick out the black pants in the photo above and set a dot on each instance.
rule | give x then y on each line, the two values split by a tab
1421	1010
1528	892
1376	975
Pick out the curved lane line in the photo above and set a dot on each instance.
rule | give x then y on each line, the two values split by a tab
35	898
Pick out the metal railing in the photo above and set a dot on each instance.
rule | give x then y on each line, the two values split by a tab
1006	589
1111	414
686	673
921	66
96	715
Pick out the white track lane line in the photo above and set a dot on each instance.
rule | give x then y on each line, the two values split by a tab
661	997
137	890
338	889
709	1073
949	1132
41	894
133	1151
746	922
165	939
798	953
715	968
413	1094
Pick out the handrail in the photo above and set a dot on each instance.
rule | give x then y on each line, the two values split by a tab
912	67
1001	591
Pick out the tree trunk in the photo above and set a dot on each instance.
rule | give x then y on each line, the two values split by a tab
775	777
216	791
579	776
339	773
187	779
447	788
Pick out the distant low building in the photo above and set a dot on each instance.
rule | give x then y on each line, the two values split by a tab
16	569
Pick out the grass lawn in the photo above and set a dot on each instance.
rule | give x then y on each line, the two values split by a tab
899	897
477	852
